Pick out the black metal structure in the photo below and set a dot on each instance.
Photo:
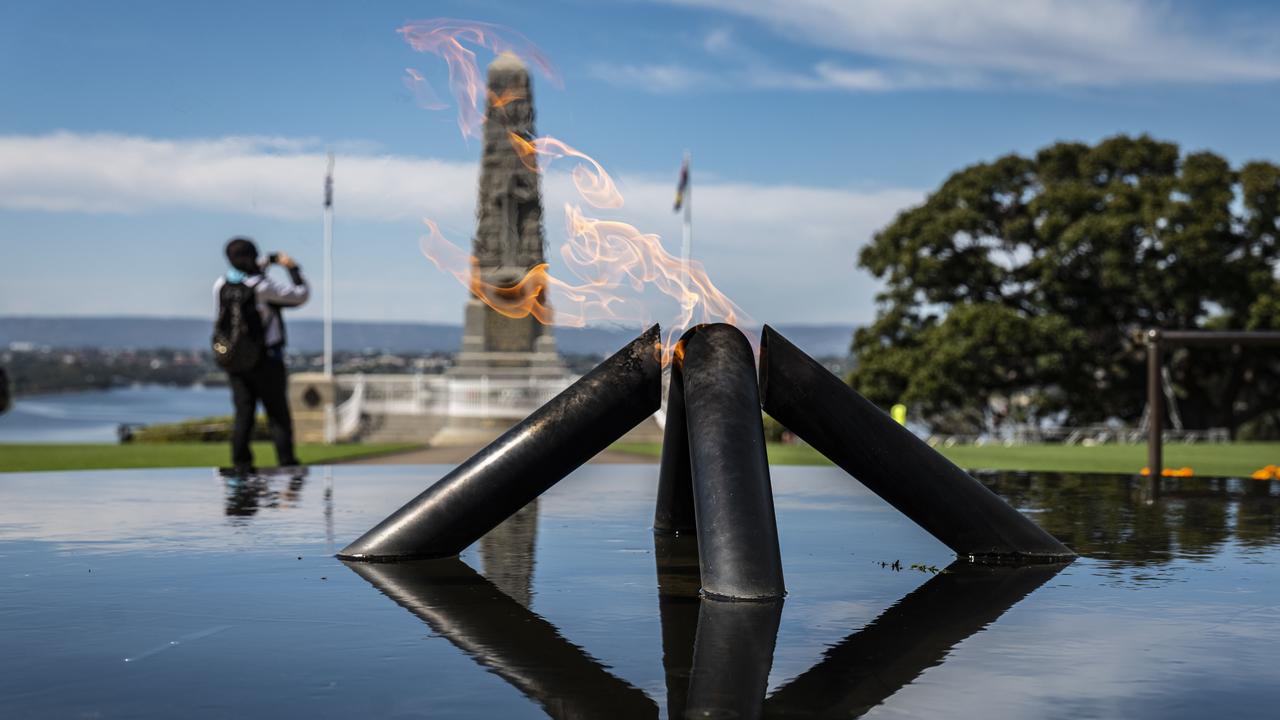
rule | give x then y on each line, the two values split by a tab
673	512
732	495
552	442
1157	341
892	462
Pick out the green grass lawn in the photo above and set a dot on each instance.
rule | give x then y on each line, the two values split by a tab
35	457
1234	459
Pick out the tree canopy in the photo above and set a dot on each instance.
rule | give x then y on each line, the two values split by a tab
1018	290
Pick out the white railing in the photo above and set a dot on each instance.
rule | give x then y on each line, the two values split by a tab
1087	435
440	395
512	399
403	394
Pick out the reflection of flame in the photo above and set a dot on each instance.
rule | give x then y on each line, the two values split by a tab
444	37
614	261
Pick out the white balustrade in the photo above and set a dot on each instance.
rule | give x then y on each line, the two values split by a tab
373	395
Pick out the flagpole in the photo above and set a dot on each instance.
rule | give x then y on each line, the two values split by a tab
686	244
330	419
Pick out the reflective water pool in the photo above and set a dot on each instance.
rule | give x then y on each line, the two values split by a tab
173	593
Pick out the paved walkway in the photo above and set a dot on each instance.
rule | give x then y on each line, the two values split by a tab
455	455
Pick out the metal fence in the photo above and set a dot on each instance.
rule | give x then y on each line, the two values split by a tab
1086	435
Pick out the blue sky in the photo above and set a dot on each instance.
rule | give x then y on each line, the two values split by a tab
137	136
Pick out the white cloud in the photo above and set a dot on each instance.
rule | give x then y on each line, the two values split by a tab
656	77
785	253
273	177
908	44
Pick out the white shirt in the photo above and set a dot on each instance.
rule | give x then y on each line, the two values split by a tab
271	294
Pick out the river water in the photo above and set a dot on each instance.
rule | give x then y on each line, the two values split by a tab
85	417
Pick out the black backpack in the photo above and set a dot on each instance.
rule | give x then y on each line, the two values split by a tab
239	339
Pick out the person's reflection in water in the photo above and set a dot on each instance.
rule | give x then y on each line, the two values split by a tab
507	553
246	494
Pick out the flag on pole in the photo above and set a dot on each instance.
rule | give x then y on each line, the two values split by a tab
682	185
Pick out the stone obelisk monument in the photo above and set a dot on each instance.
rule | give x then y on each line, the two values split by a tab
508	240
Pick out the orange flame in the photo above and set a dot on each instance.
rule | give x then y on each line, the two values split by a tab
614	261
507	97
444	37
595	185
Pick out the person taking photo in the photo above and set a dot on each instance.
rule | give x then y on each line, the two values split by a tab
248	342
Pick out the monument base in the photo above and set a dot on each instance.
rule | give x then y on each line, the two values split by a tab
311	397
498	349
503	348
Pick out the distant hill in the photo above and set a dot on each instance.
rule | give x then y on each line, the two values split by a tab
307	335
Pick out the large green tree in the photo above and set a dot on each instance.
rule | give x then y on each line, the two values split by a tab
1022	284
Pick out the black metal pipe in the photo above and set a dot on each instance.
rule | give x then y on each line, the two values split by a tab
552	442
673	512
1220	338
892	462
1155	405
733	498
732	657
504	636
917	633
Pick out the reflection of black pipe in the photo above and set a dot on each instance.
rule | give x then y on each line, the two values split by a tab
733	499
500	634
891	461
678	582
674	508
912	636
732	658
529	458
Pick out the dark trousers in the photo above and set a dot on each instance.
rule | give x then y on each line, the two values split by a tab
266	383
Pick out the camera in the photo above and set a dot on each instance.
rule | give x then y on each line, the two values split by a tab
273	258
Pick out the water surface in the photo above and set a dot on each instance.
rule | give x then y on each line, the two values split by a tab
174	593
93	416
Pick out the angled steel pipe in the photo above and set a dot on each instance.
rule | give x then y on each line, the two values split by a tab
510	640
732	495
552	442
673	512
892	462
917	633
